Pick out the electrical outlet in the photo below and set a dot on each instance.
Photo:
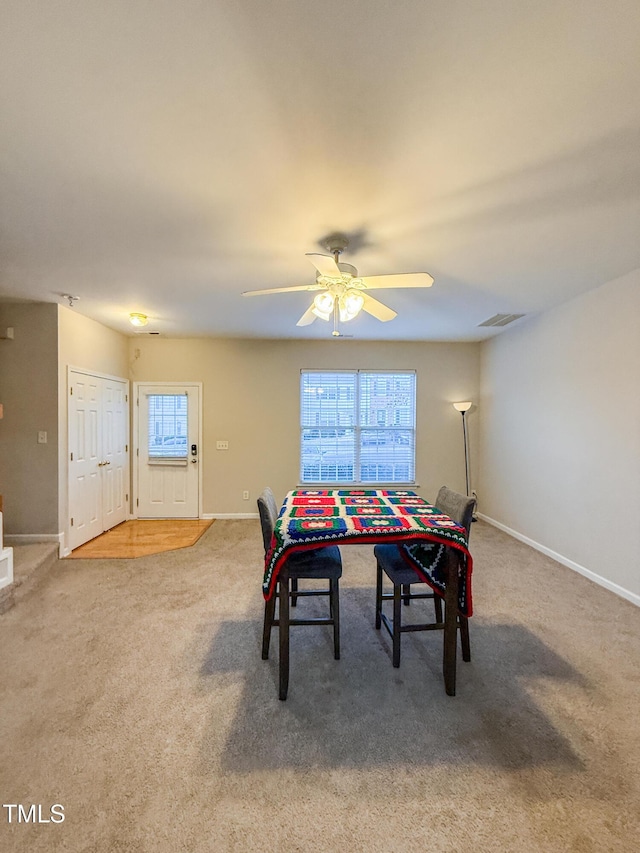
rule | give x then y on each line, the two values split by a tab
245	496
222	445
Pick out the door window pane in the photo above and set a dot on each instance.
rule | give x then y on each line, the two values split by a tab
167	427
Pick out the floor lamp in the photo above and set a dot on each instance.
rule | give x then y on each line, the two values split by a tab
463	408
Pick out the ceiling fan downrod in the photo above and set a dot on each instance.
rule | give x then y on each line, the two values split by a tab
336	244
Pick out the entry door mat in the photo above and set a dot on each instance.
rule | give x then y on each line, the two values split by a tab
141	537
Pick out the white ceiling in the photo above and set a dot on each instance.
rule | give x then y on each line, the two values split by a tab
165	155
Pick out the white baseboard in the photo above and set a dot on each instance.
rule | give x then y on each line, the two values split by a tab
576	567
35	538
230	515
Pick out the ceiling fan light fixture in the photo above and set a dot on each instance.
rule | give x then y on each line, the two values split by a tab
345	293
351	304
323	305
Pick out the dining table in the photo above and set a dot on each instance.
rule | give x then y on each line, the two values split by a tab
432	543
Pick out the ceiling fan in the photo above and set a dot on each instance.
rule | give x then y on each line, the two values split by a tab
342	292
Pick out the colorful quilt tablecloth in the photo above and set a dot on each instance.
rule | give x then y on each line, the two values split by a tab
310	518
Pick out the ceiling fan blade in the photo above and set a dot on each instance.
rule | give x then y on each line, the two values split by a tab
377	309
410	279
325	264
307	318
284	289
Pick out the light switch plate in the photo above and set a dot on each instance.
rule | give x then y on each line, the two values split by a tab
222	445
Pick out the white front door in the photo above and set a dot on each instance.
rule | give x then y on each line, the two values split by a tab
168	434
98	455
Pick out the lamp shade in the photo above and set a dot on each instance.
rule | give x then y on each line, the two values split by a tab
323	305
137	319
351	304
463	407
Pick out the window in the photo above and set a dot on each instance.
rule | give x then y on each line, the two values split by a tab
357	427
167	428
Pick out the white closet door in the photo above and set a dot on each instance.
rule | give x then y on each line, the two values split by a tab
85	446
98	455
115	456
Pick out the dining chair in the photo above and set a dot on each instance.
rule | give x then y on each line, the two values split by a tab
317	564
390	562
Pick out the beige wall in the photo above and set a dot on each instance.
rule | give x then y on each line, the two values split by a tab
251	398
560	432
85	344
91	346
28	391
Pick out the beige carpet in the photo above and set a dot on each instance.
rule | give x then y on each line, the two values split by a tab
133	694
141	537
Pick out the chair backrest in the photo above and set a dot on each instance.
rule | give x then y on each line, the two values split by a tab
458	507
268	509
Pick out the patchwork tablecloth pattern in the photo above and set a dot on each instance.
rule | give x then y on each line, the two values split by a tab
311	518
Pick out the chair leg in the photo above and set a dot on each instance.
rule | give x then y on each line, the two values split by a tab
437	605
464	638
335	613
283	618
378	596
294	589
406	594
450	623
269	612
397	622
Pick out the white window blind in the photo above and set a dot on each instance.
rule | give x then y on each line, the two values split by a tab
167	427
357	427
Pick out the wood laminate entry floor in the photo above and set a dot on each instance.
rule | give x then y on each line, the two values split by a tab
141	537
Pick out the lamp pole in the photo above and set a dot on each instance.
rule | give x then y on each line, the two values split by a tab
466	452
463	408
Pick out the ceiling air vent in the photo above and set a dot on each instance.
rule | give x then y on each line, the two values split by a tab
501	319
145	332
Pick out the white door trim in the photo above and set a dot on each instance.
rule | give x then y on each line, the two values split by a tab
197	386
72	369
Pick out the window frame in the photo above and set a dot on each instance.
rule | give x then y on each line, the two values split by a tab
359	428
